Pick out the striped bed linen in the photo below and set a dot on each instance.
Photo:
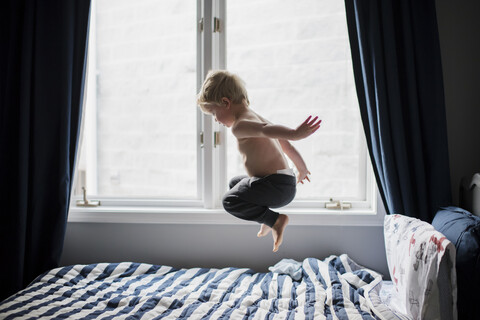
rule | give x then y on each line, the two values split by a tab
335	288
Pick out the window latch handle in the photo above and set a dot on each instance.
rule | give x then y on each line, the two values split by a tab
216	24
216	139
85	202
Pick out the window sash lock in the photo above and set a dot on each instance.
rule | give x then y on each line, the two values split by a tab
337	205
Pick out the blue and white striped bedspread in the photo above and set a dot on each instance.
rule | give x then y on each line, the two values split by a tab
333	288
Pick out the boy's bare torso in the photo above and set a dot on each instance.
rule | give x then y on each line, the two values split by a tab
261	156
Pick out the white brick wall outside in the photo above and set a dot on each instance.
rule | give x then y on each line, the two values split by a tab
293	55
295	59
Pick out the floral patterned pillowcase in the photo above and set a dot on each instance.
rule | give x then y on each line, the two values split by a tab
421	262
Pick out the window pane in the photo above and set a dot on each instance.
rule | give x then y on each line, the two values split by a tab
295	59
146	110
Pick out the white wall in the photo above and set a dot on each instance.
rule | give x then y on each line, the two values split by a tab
237	245
218	246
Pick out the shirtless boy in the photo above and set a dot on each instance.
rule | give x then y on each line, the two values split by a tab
270	182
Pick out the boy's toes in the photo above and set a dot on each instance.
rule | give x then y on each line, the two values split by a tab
262	233
275	247
277	241
278	229
264	230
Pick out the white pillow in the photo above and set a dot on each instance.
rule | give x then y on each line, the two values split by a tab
421	262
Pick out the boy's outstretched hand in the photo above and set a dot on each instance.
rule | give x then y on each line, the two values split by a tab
307	128
302	175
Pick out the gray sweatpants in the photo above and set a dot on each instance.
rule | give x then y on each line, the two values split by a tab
250	198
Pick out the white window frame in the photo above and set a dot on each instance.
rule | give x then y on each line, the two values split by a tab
211	166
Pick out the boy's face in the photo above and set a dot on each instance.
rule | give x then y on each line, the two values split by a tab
221	114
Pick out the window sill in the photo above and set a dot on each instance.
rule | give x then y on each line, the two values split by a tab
189	215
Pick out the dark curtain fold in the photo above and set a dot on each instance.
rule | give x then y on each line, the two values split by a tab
398	75
42	68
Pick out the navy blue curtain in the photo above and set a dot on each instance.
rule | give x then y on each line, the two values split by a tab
42	67
398	76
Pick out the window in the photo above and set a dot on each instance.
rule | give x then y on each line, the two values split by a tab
140	110
145	142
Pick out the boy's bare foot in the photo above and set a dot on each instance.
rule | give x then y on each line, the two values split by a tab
264	230
277	231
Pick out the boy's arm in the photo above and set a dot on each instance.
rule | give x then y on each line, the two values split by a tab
297	159
249	129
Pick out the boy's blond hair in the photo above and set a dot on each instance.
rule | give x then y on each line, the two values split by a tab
219	84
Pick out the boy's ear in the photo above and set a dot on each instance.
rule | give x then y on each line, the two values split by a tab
226	102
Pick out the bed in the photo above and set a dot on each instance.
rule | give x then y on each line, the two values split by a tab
333	288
